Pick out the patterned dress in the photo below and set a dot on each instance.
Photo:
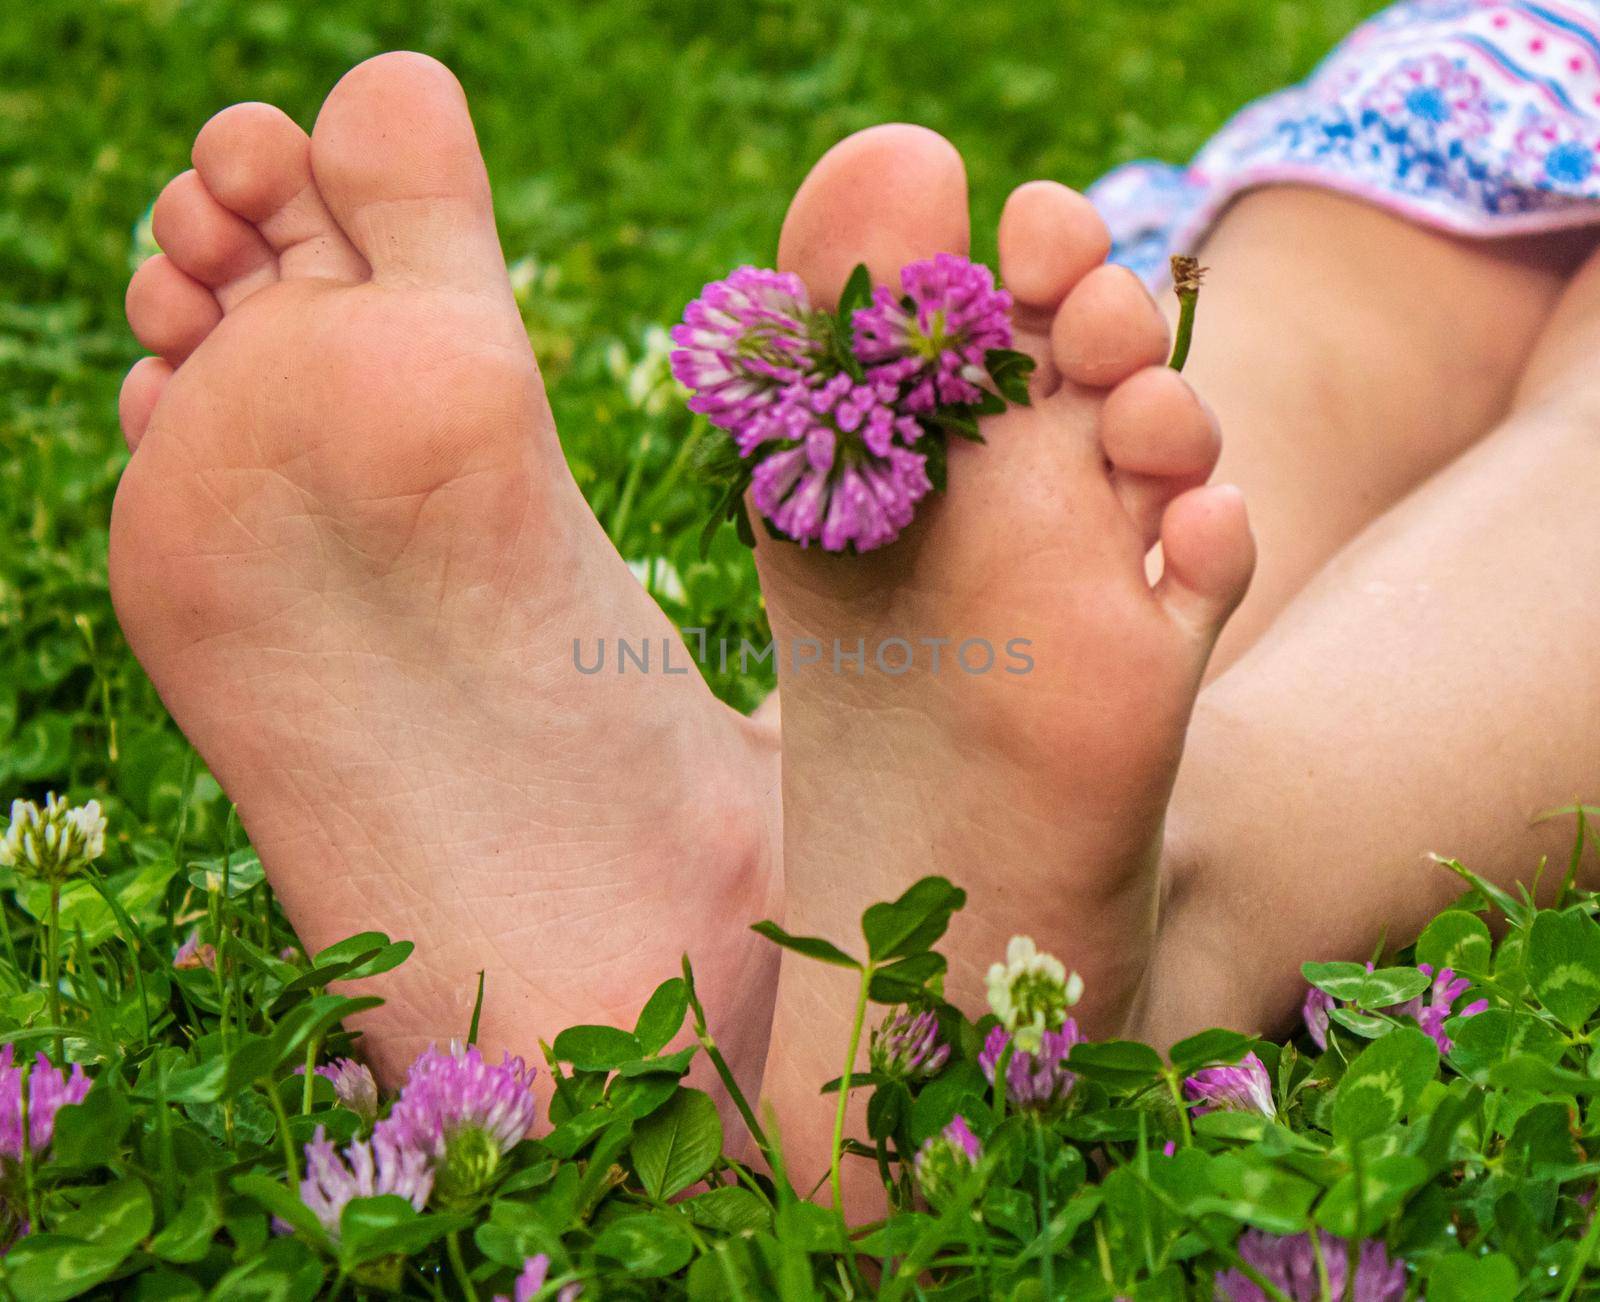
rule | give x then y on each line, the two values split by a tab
1479	117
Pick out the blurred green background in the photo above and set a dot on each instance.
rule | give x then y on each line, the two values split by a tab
637	150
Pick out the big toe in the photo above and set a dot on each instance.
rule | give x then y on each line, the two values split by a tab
885	196
396	158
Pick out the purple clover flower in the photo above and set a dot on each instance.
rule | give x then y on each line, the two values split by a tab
448	1091
932	338
1314	1012
1430	1010
193	954
1288	1262
946	1159
835	459
49	1090
742	341
1034	1081
839	468
529	1281
959	1134
906	1045
1244	1087
465	1113
353	1086
367	1168
535	1270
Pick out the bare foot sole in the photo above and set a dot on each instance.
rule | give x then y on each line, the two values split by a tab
349	553
1033	763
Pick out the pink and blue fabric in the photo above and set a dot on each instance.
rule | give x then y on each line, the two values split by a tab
1479	117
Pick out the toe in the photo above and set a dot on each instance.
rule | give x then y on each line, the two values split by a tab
215	246
169	312
141	390
1209	555
1108	328
885	196
256	162
396	159
1161	441
1050	239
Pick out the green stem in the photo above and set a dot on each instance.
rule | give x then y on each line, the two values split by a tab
1226	1251
313	1047
168	1159
1185	334
836	1152
11	947
220	981
1183	1108
1049	1268
459	1266
30	1196
619	517
1002	1074
224	991
1352	1246
1324	1282
291	1159
1186	274
52	961
724	1072
1580	1259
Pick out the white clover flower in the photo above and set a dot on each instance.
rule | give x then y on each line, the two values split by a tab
649	382
660	578
54	842
142	246
1031	991
524	276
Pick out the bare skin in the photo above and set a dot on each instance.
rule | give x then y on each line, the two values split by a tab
1434	689
1240	899
348	551
1343	376
889	775
350	556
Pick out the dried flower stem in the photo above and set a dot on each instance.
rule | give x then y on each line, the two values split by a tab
1187	273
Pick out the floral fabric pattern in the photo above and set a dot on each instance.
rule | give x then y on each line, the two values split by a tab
1479	117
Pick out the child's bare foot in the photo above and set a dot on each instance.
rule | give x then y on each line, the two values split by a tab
350	555
1041	792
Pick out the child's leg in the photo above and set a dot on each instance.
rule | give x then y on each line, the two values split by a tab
1046	795
1432	690
350	555
1349	353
